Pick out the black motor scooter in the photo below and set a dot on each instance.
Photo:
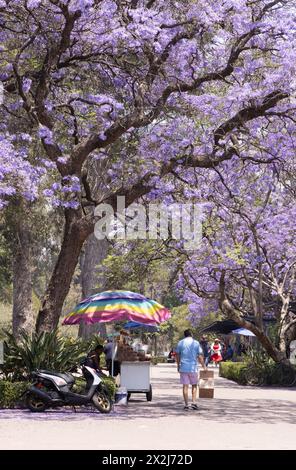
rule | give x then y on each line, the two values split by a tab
54	389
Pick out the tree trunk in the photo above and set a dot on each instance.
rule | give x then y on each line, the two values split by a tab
284	324
290	335
22	315
267	344
74	236
95	252
287	330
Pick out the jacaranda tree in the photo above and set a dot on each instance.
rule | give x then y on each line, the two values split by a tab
246	263
133	92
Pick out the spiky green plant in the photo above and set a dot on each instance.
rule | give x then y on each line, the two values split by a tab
47	350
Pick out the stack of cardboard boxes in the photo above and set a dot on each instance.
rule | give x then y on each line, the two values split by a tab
206	384
126	353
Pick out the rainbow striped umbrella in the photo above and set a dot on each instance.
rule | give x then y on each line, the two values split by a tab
118	305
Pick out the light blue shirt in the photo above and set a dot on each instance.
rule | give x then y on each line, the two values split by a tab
188	350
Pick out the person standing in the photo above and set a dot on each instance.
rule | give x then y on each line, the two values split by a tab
216	350
229	353
188	353
206	349
93	360
109	352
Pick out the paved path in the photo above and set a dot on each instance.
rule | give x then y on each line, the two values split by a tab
237	418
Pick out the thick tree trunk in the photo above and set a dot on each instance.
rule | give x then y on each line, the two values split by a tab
95	252
287	331
282	343
270	348
291	335
22	316
235	315
74	236
287	323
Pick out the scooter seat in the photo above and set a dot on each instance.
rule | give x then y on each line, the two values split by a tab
63	375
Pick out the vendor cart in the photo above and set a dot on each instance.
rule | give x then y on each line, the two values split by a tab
135	377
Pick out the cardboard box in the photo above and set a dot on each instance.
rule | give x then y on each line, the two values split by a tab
206	374
206	393
206	384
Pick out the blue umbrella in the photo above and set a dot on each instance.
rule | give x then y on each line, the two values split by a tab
132	325
243	332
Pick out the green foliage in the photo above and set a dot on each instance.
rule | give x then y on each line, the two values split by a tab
143	266
5	268
273	333
233	371
259	369
262	370
41	351
109	382
177	324
5	316
256	369
257	358
171	300
204	322
158	360
10	393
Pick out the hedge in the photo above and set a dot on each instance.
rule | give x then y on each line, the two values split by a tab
267	373
10	394
233	371
158	360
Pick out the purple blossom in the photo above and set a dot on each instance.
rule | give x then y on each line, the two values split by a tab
45	134
48	192
33	4
102	136
63	160
27	82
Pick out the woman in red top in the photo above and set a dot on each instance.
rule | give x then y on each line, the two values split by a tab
216	350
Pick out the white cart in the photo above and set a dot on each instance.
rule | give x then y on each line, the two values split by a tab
135	377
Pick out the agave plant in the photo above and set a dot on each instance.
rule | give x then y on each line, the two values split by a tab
47	350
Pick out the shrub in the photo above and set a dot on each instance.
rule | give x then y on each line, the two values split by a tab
80	384
233	371
10	393
47	350
254	373
158	360
111	385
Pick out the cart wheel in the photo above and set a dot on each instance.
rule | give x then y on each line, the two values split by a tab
128	396
149	394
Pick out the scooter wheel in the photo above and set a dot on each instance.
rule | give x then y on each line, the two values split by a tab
102	402
149	394
34	403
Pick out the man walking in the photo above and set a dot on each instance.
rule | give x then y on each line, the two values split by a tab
188	353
